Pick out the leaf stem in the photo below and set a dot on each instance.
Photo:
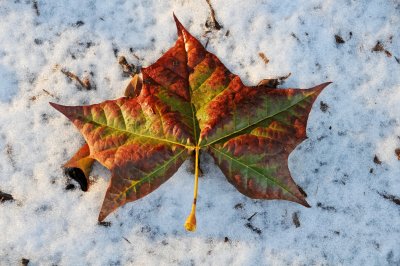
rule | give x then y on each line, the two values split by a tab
190	224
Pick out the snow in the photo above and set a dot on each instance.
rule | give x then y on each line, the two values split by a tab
350	222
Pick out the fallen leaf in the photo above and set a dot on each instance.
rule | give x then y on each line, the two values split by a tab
190	101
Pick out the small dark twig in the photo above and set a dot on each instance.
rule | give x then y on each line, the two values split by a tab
105	224
392	198
10	155
127	240
326	207
253	228
36	7
273	83
263	57
295	219
128	69
251	217
212	21
208	40
49	93
295	36
134	54
85	83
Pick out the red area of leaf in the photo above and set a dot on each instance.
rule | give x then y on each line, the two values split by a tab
189	100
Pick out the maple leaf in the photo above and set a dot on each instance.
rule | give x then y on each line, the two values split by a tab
189	101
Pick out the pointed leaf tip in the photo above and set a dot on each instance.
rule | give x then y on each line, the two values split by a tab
321	87
101	217
179	26
304	203
106	209
53	104
61	108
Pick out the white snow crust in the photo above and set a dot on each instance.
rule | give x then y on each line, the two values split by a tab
350	222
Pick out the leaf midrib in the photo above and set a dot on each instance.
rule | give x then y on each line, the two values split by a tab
143	136
149	175
257	122
254	170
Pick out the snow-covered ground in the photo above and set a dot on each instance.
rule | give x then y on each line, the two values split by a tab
355	214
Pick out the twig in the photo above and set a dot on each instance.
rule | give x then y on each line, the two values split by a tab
253	228
295	36
273	83
251	217
208	40
263	57
295	219
127	240
10	155
127	68
392	198
134	54
105	224
85	83
36	7
49	93
213	23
